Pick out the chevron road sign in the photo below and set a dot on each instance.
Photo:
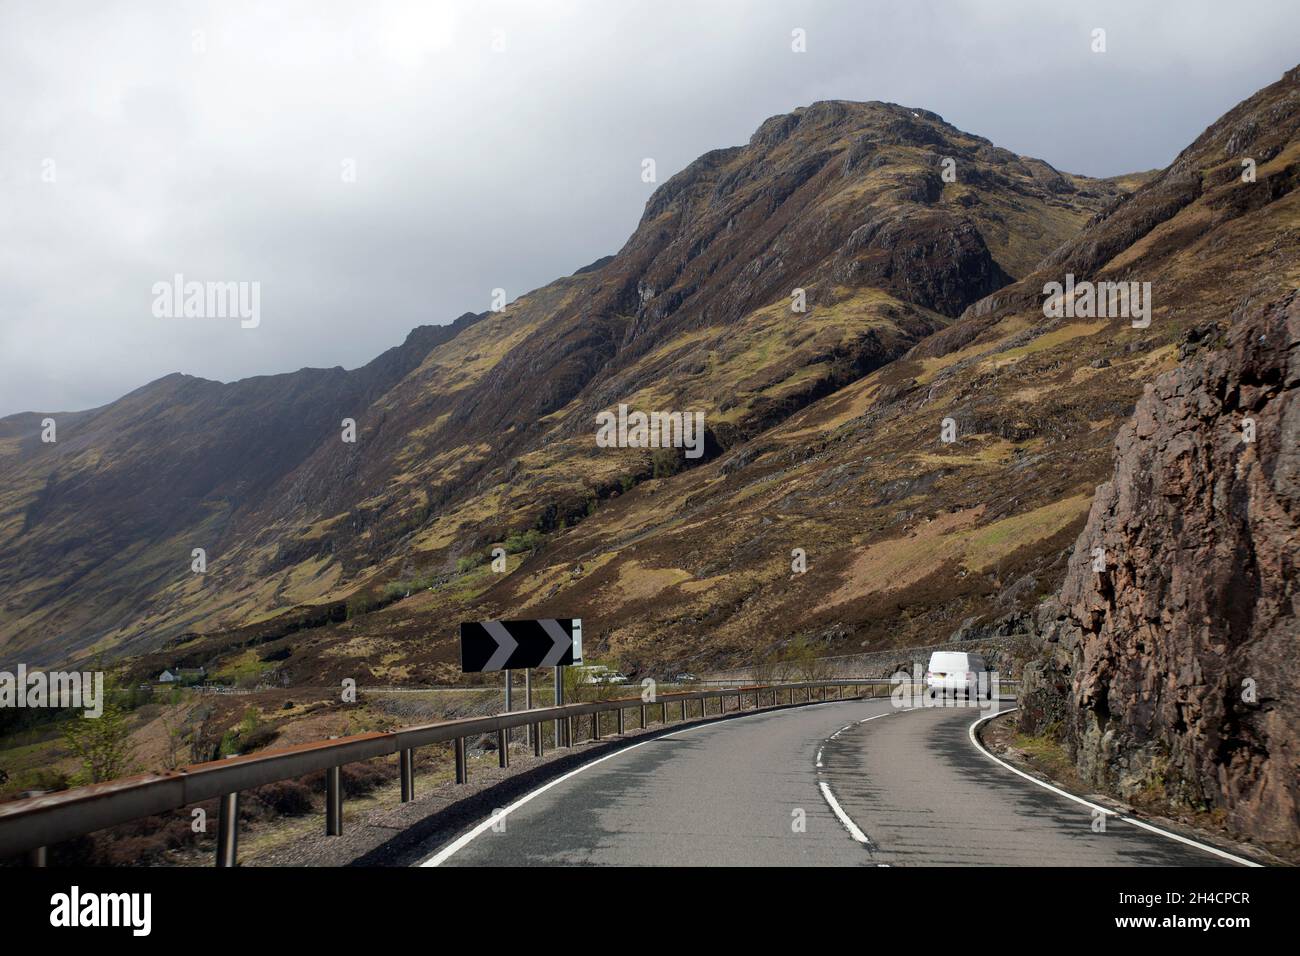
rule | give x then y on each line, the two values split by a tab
507	645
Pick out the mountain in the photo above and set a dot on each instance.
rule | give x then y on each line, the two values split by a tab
471	434
908	539
95	524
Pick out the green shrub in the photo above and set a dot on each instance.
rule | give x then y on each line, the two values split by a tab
525	541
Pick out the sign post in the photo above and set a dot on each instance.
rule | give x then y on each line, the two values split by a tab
509	679
560	723
528	700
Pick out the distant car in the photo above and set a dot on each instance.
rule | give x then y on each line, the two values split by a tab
599	674
956	672
686	678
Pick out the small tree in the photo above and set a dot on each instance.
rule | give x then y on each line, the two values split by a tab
202	734
174	724
103	743
766	671
801	658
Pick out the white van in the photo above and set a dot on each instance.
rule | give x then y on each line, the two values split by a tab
956	672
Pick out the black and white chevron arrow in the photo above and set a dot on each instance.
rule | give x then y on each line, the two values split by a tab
508	645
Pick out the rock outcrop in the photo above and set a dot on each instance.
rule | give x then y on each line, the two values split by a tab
1170	652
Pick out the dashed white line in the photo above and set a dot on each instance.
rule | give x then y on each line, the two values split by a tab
461	842
844	818
854	830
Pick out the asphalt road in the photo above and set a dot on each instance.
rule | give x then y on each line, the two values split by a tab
763	789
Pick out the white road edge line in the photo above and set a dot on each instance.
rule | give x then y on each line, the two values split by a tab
443	855
459	844
1087	803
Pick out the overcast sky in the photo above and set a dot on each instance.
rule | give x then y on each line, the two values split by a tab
140	140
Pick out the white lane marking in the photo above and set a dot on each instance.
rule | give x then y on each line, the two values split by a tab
854	830
844	818
885	714
1093	806
446	853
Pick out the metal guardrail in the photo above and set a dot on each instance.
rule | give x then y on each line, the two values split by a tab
32	824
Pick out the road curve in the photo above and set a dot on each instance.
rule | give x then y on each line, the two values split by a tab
852	783
925	796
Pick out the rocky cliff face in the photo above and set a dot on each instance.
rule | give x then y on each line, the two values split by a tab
1170	652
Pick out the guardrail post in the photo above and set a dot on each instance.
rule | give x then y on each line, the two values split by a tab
334	801
569	726
595	725
37	856
643	716
683	708
538	747
503	748
458	747
663	712
406	772
620	721
228	830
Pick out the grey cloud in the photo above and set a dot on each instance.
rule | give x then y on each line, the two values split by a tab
478	169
